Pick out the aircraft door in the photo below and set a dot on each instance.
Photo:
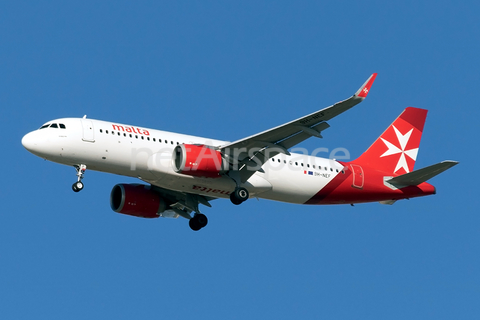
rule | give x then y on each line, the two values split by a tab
358	177
88	132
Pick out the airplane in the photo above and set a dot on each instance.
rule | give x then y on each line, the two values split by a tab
184	171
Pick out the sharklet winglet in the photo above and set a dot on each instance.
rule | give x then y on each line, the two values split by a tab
365	89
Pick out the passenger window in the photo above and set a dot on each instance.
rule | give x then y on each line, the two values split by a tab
106	131
148	138
171	142
62	126
141	137
153	139
296	163
118	133
278	160
101	131
54	125
136	137
308	166
130	135
166	141
124	134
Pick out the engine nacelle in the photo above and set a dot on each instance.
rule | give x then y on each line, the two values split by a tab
136	200
198	161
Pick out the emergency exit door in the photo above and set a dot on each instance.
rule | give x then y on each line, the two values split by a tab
358	178
88	133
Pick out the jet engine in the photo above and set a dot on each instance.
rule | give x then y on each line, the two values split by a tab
198	161
137	200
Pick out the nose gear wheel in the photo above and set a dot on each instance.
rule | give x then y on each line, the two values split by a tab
77	186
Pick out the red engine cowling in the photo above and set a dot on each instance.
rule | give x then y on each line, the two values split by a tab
198	161
136	200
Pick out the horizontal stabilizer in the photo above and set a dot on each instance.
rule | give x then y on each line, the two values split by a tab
421	175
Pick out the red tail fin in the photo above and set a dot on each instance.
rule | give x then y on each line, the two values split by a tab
395	151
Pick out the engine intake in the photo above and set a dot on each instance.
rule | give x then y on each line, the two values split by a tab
198	161
136	200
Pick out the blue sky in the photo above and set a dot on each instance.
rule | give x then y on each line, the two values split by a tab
226	71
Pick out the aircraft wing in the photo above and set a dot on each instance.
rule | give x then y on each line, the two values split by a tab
252	152
180	203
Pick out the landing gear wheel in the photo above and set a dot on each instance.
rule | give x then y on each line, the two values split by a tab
77	186
239	195
194	225
234	199
198	222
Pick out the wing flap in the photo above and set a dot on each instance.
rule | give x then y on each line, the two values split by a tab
301	136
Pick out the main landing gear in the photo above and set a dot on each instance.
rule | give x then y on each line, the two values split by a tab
78	186
198	221
239	195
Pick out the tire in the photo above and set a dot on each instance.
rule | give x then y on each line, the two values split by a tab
201	220
241	194
194	225
77	186
234	199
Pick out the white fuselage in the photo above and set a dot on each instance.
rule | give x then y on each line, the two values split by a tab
147	154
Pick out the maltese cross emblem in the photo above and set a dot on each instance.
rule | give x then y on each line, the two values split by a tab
393	149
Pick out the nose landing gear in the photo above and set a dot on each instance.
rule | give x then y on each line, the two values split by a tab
78	186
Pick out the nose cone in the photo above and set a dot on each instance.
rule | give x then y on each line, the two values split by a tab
28	141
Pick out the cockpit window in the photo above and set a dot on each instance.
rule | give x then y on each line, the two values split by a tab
53	125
